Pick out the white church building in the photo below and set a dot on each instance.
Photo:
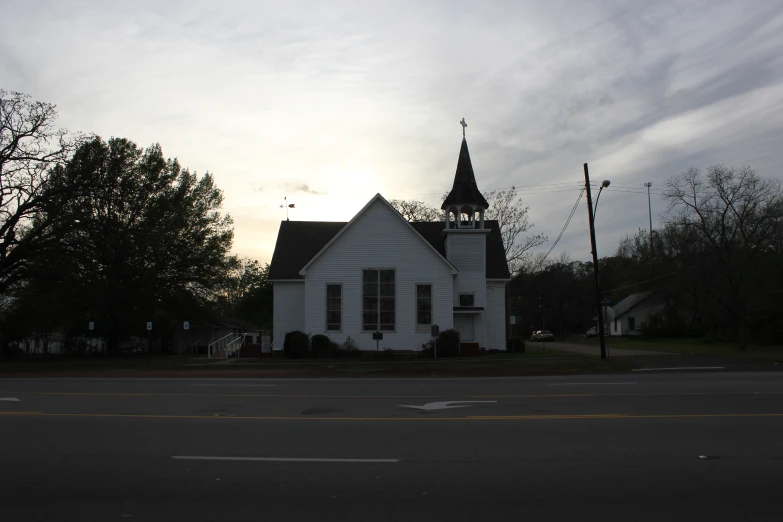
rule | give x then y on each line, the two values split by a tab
380	273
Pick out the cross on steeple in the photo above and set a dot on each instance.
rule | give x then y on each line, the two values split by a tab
464	124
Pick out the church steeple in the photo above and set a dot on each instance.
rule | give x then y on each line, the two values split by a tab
465	199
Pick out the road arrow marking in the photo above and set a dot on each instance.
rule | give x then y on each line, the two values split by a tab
442	405
9	399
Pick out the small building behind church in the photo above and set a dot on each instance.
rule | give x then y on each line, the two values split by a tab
380	273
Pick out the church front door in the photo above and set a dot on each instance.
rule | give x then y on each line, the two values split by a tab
463	323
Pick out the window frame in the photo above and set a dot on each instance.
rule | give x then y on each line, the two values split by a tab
421	327
379	297
471	294
326	314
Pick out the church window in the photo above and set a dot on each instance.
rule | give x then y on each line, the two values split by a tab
378	300
334	307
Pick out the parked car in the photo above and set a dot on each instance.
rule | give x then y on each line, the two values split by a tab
542	336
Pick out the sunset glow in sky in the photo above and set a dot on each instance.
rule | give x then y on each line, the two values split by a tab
328	103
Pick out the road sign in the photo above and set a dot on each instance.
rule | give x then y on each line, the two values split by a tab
513	319
186	325
149	325
91	326
435	330
377	336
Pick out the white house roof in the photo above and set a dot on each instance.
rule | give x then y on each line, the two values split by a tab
629	302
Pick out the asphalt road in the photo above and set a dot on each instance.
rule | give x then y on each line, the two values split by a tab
609	447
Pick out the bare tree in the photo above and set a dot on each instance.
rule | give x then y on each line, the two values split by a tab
30	146
416	211
507	208
733	216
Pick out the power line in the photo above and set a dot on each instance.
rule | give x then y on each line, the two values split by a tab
513	187
570	216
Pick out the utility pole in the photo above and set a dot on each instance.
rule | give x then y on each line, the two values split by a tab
591	219
649	207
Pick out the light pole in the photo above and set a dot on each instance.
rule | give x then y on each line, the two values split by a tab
591	219
649	208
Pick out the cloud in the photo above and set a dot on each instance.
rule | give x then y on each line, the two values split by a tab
304	187
330	92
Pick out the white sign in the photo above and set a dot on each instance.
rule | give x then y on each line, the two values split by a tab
513	319
186	325
91	326
149	325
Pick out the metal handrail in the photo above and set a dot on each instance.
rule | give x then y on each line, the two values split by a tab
241	337
210	345
220	344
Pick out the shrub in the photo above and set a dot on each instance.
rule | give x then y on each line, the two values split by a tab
296	345
348	350
448	343
515	345
323	347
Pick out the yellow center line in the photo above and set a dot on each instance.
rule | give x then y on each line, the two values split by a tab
315	396
607	416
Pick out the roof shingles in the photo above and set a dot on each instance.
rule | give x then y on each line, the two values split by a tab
299	241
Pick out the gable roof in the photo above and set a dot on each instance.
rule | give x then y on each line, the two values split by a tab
298	242
465	190
629	302
394	211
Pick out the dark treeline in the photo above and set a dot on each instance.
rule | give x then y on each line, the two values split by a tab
717	261
111	233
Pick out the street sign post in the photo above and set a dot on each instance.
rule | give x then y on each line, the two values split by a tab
91	325
377	337
149	338
435	333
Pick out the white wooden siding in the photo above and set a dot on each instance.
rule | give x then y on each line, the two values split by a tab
288	310
379	239
495	316
467	252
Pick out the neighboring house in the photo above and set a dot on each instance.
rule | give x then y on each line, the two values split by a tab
608	313
203	334
634	311
379	272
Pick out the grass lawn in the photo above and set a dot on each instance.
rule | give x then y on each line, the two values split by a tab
689	346
534	362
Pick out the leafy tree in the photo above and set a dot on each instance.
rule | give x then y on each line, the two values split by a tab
248	292
150	237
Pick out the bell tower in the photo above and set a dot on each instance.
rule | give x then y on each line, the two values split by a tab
466	246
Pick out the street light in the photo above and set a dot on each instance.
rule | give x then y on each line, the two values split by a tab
604	184
591	219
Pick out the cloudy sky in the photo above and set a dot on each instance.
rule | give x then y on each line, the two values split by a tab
330	102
